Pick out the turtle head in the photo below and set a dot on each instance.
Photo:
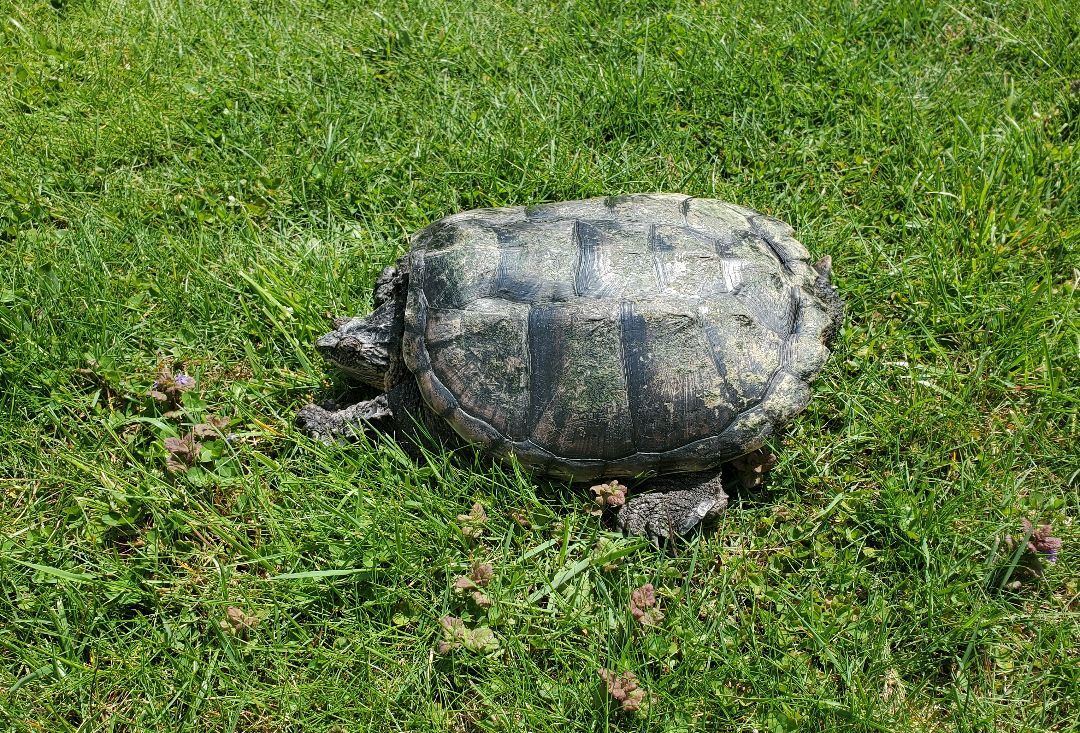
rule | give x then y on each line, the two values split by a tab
367	349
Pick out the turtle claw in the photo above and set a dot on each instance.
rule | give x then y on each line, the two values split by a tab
319	423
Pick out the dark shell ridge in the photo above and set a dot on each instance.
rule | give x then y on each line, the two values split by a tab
614	336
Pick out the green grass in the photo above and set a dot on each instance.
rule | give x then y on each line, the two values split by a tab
199	184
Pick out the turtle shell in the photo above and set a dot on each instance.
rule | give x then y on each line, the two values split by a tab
613	336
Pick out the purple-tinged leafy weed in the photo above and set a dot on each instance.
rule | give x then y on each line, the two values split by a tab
183	453
472	524
644	607
624	689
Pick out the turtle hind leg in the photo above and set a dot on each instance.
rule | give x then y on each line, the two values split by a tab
675	505
678	503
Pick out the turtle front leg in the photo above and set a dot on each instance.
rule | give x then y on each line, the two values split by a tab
399	412
329	423
675	505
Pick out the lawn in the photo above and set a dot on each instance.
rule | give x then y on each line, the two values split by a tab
189	190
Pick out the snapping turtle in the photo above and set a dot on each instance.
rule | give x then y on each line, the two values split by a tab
609	337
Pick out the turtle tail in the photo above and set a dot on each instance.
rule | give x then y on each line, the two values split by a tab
830	296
